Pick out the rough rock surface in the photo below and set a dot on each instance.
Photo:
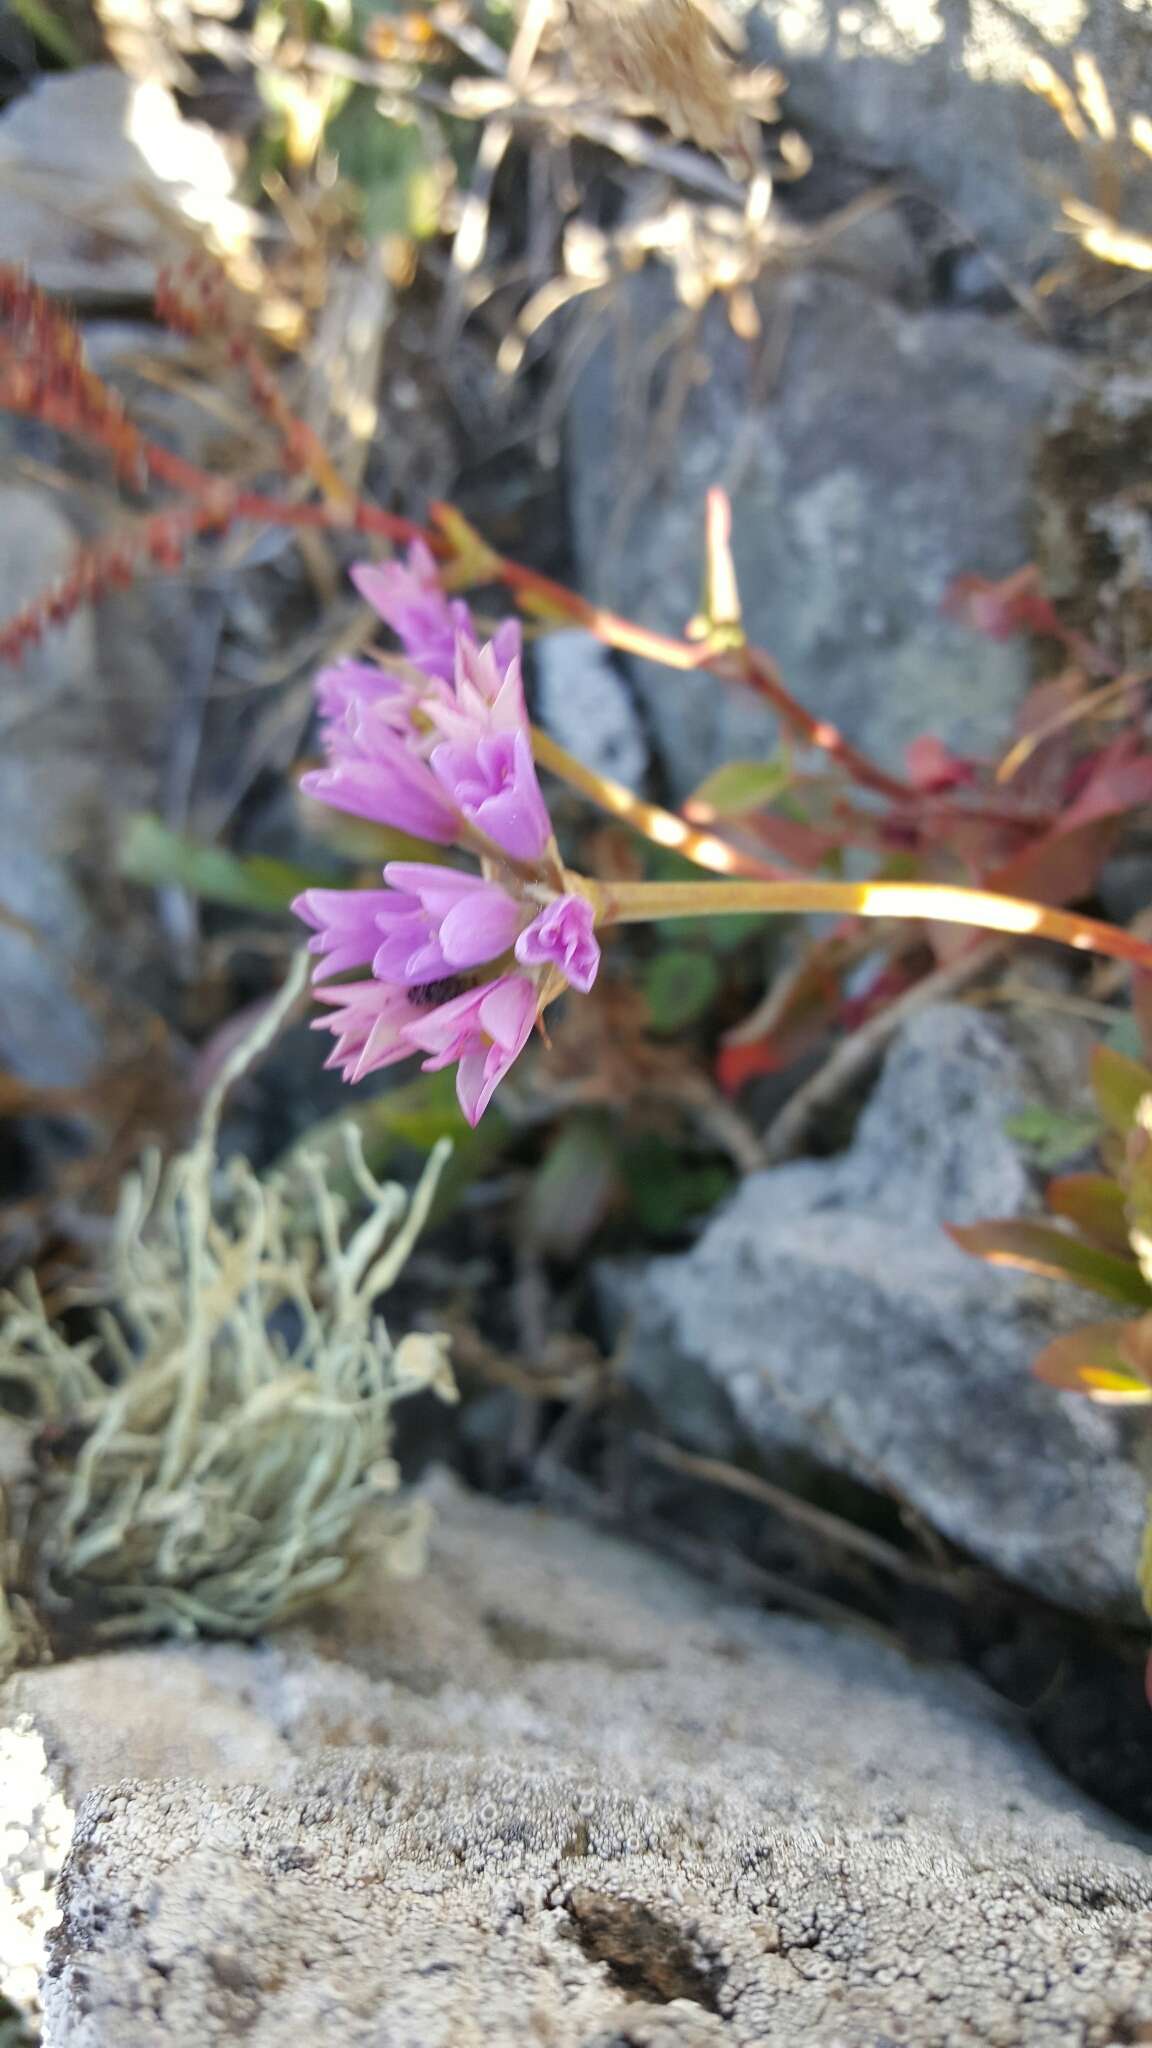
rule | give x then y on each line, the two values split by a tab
82	728
939	95
584	702
854	1330
892	456
143	1714
104	182
557	1794
45	781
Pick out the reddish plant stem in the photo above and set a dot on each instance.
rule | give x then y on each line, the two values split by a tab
198	304
750	665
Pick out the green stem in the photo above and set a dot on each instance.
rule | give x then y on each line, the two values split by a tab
640	902
45	24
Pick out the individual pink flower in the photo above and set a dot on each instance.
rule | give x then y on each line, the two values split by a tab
346	689
344	924
389	784
492	783
367	1022
484	1031
563	936
408	597
447	920
487	694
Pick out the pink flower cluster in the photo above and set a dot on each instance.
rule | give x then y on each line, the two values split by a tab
438	745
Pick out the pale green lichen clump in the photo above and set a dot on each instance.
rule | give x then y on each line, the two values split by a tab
204	1454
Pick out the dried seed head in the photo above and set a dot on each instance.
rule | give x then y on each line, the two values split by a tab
672	55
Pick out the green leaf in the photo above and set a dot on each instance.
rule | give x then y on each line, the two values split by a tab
389	162
1095	1204
1041	1248
680	983
152	854
572	1188
1138	1185
1118	1084
1051	1135
668	1190
1096	1360
741	786
49	27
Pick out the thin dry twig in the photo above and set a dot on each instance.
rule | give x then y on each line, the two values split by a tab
853	1056
563	108
833	1529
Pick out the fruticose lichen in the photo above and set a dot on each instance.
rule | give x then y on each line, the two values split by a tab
202	1452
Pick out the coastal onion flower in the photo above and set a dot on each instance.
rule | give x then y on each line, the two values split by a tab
460	962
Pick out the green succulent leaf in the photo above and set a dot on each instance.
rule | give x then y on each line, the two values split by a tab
390	165
680	984
741	786
1051	1135
153	854
573	1187
667	1188
1118	1083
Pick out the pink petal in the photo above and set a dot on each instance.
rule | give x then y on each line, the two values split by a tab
439	888
493	784
480	927
446	1031
367	1021
507	1011
347	685
344	924
397	792
409	598
563	936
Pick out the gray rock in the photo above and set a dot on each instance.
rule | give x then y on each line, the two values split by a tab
47	1036
103	182
892	456
82	720
69	1729
583	701
938	95
559	1794
143	1714
854	1330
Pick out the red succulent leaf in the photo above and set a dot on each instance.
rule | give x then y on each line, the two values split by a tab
932	768
1000	610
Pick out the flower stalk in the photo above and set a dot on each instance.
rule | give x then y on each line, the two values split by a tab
935	903
462	962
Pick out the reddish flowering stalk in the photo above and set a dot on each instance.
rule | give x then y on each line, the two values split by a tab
438	743
44	376
160	541
197	302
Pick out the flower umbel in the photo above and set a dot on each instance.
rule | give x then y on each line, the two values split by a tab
462	961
